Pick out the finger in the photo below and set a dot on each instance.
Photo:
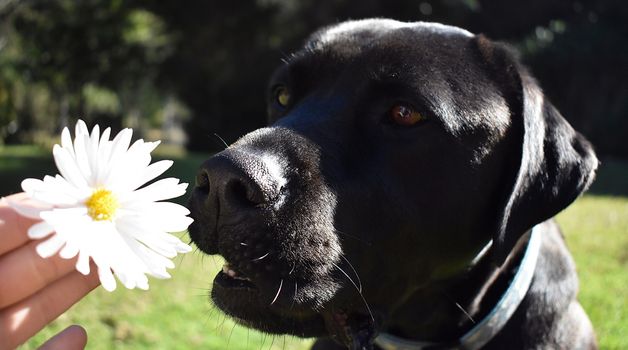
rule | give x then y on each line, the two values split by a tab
22	320
24	261
13	227
71	338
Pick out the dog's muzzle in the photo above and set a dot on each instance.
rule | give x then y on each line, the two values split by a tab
232	187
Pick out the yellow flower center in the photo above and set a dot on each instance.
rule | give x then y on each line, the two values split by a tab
102	205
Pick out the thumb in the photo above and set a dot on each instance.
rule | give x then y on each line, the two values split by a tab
71	338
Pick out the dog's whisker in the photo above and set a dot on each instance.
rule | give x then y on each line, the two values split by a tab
294	298
222	140
354	271
197	250
342	255
261	257
464	312
294	265
218	328
353	237
458	306
230	335
244	244
272	342
278	292
368	308
347	275
263	341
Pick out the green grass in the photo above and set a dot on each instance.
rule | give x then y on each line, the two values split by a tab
173	314
596	230
18	162
176	313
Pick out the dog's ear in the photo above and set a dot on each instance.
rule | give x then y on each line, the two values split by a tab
549	165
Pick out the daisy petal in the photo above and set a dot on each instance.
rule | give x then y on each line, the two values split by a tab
160	190
31	185
183	248
29	211
92	152
81	156
157	245
63	216
116	151
58	198
120	143
50	190
170	223
61	185
106	279
150	239
150	146
104	137
51	246
69	250
40	230
172	209
129	168
125	279
82	264
156	263
81	128
153	171
67	167
66	141
94	137
176	224
143	285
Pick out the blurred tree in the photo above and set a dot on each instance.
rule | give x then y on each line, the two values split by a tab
116	58
223	53
581	59
87	53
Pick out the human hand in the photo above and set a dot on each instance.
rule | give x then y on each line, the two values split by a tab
34	291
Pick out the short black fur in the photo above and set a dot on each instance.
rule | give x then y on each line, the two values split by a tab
339	223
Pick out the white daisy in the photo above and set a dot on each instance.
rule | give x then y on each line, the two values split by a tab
96	209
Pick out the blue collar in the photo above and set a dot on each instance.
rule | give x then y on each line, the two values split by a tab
487	328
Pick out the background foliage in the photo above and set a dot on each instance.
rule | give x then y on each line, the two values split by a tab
158	65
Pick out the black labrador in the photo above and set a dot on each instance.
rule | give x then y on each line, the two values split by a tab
389	203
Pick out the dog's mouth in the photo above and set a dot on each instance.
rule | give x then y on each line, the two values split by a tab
259	302
230	278
245	299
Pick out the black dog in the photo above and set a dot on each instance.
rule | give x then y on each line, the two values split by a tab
391	199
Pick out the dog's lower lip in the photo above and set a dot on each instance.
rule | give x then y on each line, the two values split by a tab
226	269
228	278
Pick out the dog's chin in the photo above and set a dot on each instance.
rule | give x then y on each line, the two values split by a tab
242	300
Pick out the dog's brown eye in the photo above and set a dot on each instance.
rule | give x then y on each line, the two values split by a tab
405	115
282	96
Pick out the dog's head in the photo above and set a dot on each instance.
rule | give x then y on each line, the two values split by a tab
395	152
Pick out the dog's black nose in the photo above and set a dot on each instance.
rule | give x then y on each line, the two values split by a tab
231	187
239	181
